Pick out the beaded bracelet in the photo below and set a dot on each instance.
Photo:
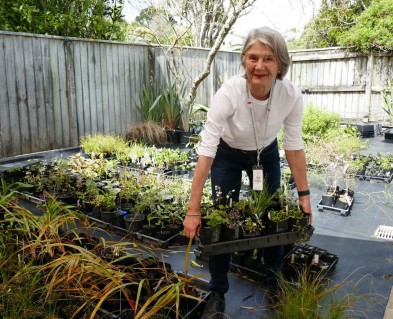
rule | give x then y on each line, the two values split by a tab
193	214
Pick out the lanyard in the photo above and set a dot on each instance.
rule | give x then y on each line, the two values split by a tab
249	103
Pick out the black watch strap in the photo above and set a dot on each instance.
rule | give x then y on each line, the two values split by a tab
303	193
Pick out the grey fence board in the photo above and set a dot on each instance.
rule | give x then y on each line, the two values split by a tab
5	132
55	90
13	124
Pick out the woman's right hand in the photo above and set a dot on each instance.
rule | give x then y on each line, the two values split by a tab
191	224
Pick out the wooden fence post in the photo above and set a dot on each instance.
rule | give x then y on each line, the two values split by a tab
369	83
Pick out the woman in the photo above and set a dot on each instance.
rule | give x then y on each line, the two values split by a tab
240	134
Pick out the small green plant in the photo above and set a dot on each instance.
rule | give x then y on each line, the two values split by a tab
259	201
386	161
278	215
106	201
251	226
216	217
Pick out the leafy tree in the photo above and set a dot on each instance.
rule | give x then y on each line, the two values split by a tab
198	23
97	19
156	25
373	30
334	18
194	23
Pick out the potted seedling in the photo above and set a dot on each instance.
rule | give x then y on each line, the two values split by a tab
211	225
106	203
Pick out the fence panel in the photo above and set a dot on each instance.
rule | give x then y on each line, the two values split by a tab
55	90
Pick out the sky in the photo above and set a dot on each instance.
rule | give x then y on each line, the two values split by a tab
281	15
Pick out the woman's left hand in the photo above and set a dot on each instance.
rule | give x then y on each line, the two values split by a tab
305	206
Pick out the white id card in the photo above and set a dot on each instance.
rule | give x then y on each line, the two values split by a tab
257	178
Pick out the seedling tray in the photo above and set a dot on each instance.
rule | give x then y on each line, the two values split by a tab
255	242
315	261
139	236
339	211
155	241
383	178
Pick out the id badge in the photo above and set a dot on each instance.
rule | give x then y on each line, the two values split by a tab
257	178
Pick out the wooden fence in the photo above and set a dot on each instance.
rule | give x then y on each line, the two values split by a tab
55	90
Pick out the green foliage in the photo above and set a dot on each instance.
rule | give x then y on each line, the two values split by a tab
173	97
149	106
362	24
303	299
162	105
373	28
8	194
101	19
318	122
325	139
104	144
216	217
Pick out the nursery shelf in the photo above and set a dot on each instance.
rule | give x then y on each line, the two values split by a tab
255	242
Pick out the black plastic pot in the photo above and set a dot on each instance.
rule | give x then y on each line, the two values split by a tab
342	203
108	216
295	224
230	233
163	234
273	227
134	221
328	200
208	235
148	230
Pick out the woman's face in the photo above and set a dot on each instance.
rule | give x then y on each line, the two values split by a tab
261	66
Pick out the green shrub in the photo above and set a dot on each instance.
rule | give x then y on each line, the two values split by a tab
318	122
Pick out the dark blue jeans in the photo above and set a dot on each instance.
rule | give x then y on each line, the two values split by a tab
226	172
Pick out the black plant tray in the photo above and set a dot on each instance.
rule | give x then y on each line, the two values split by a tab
31	198
337	210
255	242
155	241
386	178
306	258
141	237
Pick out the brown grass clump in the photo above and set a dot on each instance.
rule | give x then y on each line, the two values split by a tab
147	132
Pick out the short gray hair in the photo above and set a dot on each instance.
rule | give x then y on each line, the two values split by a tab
274	40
